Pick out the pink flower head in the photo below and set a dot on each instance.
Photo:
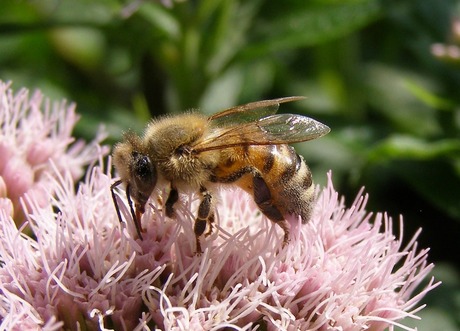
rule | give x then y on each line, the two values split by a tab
36	134
344	270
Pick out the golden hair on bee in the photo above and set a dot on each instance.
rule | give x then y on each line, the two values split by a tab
246	146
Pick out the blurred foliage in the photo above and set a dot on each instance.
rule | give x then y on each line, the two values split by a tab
384	75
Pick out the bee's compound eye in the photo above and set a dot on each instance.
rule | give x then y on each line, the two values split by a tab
144	172
143	167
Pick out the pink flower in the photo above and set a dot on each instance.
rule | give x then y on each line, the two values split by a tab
35	136
345	270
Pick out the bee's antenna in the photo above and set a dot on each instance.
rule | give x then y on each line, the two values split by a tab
117	208
133	214
114	198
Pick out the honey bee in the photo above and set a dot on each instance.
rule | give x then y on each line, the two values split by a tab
246	146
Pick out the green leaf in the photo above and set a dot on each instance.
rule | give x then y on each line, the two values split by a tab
388	93
162	19
409	147
227	36
312	25
222	92
428	97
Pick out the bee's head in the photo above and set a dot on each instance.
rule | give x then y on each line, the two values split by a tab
136	169
143	177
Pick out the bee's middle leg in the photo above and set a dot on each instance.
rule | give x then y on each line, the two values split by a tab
263	199
205	216
173	197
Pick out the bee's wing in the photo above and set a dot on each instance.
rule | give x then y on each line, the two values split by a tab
271	130
249	112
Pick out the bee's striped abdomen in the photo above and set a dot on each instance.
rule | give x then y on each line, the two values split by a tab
276	176
288	177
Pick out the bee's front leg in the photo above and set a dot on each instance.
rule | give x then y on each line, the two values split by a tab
172	199
205	216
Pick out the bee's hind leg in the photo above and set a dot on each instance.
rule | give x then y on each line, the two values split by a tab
263	199
205	216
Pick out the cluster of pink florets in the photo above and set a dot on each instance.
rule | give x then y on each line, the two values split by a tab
36	142
345	270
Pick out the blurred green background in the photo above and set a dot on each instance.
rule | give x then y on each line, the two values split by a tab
384	75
